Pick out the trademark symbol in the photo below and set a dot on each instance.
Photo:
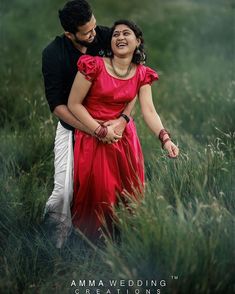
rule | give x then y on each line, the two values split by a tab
174	277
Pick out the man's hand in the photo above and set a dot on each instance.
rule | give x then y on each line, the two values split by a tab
118	125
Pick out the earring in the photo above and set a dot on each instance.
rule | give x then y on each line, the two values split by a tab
139	55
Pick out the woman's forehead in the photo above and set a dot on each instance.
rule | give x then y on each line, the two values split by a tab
121	27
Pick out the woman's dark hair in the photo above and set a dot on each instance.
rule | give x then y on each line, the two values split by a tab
75	13
139	55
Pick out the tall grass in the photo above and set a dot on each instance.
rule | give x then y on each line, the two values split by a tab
185	226
183	231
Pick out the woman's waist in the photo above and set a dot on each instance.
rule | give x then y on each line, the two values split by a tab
129	130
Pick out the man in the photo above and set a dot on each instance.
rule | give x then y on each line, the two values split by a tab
59	67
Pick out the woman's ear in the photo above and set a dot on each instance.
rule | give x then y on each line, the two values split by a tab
138	42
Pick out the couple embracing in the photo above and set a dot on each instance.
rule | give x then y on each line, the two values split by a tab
93	76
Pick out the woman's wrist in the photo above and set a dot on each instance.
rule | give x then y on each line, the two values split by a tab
164	136
126	117
165	141
101	132
163	132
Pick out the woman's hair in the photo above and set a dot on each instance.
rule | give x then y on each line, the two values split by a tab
75	13
139	55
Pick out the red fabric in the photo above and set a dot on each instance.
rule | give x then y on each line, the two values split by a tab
104	171
88	66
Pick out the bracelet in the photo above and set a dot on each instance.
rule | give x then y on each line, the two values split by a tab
95	131
162	133
164	142
127	119
102	132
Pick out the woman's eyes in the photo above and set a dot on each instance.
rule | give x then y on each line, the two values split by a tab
117	35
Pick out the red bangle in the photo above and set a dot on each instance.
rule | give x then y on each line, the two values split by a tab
162	133
164	142
102	132
95	131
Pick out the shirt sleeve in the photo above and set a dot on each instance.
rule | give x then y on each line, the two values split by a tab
148	77
53	78
89	67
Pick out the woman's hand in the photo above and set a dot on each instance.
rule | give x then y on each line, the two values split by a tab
172	149
112	136
118	125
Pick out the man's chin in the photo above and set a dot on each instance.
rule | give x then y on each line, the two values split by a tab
87	44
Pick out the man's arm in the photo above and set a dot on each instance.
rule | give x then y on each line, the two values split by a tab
53	82
63	113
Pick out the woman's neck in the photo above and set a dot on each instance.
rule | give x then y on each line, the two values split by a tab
121	67
122	63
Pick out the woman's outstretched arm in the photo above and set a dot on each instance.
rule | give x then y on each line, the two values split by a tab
153	120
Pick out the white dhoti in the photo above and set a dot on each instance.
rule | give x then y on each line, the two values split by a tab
57	209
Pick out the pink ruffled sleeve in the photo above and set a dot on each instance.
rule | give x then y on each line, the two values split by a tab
148	76
88	66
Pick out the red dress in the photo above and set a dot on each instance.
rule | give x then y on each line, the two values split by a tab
103	172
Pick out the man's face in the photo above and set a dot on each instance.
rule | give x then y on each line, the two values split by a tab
85	34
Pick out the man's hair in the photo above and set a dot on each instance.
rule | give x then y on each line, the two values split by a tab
75	13
139	55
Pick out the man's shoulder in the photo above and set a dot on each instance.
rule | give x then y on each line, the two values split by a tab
54	45
103	28
103	31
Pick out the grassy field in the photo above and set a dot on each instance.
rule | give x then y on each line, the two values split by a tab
184	231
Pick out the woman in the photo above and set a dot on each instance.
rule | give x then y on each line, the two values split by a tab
100	92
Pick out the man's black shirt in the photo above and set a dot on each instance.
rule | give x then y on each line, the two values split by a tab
59	66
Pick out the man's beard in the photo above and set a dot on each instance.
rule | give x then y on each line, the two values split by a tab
84	43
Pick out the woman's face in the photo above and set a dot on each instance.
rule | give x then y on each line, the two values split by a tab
124	41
